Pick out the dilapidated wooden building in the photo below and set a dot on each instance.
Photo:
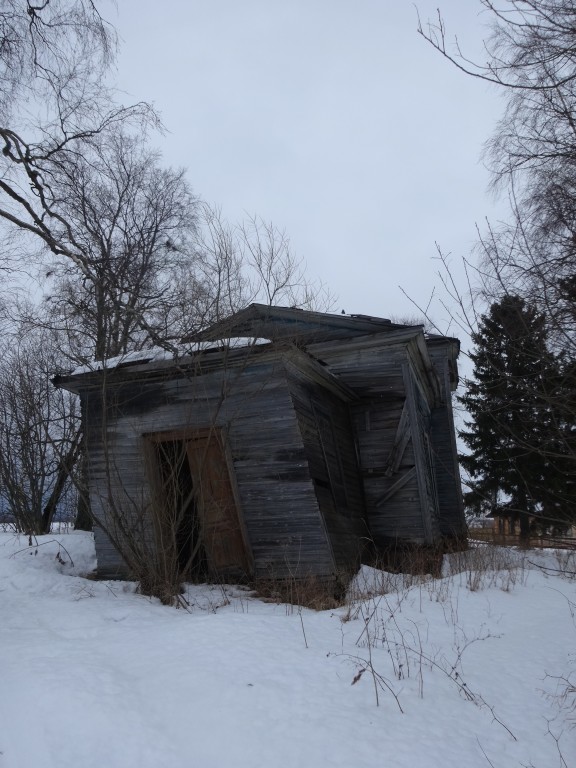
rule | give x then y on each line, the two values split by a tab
284	443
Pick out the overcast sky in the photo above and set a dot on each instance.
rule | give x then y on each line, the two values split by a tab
333	119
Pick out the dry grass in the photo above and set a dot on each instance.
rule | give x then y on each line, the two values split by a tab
482	566
319	594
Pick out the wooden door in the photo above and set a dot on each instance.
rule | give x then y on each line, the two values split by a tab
221	531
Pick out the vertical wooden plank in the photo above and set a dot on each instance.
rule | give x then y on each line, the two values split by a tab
220	525
420	457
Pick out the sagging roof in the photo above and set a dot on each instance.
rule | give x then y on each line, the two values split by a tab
261	320
158	365
304	327
263	326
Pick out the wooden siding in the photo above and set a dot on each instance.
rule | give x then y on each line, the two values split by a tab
419	410
277	497
110	566
394	379
371	368
326	431
450	504
342	422
386	457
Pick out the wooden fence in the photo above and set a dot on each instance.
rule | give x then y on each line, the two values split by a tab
513	540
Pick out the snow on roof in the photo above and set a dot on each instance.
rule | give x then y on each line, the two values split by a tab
157	354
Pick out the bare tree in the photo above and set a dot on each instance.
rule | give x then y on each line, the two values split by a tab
50	46
216	287
127	269
250	262
530	55
53	101
530	47
274	273
162	264
39	437
133	224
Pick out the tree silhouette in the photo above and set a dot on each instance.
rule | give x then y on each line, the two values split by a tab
516	456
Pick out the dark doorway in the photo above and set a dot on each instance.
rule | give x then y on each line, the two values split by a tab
180	511
199	505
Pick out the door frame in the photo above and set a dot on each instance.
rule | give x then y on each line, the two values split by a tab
207	433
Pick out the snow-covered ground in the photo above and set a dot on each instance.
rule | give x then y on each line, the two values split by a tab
469	670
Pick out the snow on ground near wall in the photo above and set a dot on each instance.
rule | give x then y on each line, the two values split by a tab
93	674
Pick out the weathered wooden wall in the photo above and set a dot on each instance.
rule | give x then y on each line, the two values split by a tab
253	406
326	430
419	401
352	438
450	503
398	486
387	467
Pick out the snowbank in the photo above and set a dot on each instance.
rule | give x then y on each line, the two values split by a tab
93	674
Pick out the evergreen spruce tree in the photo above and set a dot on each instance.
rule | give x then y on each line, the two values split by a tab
512	436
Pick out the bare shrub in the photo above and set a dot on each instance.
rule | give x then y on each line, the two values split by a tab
566	559
385	628
485	565
310	591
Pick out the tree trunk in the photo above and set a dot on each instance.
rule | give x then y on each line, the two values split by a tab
65	467
84	520
524	516
524	529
